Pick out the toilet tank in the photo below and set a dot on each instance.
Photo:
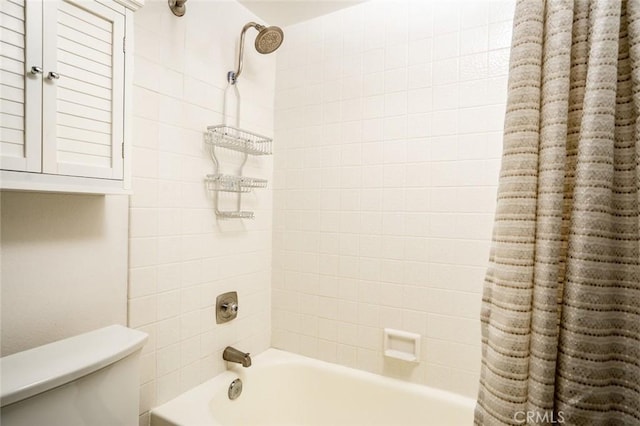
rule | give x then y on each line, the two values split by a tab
91	379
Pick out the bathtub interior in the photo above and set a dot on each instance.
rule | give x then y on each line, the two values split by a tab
310	395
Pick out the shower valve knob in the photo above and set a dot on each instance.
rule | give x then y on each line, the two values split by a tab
231	308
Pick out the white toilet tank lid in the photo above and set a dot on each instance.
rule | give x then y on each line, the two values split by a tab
37	370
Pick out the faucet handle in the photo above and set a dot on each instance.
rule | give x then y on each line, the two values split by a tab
230	308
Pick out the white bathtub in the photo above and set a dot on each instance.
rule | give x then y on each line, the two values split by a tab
281	388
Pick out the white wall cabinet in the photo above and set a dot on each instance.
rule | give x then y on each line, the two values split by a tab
64	95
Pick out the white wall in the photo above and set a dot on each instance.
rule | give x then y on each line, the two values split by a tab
388	138
63	266
181	257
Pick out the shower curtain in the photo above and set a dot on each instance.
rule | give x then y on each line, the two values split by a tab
561	302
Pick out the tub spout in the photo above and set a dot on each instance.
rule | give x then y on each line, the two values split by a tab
233	355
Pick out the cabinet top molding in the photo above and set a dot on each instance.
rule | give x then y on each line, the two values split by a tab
131	4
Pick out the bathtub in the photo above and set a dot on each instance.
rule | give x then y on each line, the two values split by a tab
281	388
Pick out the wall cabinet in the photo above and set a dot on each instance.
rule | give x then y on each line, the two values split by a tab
64	95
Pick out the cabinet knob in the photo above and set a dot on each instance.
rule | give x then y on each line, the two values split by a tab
36	70
53	75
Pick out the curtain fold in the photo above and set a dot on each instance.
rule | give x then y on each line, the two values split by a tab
561	303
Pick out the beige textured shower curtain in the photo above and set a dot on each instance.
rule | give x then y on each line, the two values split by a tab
561	303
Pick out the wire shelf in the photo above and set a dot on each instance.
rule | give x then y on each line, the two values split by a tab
238	140
235	214
229	183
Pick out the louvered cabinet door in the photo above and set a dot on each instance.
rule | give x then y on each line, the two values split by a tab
20	50
83	89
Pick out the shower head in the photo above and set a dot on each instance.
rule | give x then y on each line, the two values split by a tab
268	41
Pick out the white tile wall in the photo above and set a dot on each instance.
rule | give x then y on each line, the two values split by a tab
181	257
388	136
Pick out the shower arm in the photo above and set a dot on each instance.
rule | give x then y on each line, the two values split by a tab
232	76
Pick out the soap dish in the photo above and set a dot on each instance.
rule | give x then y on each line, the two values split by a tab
401	345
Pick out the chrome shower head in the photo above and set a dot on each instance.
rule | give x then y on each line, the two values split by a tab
268	41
